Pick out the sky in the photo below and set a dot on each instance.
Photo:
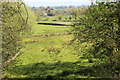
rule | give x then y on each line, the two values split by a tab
37	3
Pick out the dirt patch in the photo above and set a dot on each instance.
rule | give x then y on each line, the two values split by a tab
44	36
48	35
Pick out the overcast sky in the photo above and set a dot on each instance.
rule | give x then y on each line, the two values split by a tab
38	3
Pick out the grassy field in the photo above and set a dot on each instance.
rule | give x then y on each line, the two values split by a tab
46	29
51	56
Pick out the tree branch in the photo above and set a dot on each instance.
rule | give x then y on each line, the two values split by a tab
8	61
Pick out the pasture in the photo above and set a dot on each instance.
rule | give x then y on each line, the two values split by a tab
49	55
41	43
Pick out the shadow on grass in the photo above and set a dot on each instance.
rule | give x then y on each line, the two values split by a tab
59	71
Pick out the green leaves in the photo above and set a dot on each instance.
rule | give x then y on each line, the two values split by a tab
15	24
99	26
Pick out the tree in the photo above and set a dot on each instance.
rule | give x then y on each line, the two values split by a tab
51	13
100	27
59	17
70	18
38	13
76	12
15	23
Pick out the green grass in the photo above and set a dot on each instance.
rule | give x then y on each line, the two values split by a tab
46	29
35	49
38	62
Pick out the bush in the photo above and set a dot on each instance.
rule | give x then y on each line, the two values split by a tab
100	27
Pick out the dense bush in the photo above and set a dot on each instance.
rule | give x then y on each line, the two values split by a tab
100	27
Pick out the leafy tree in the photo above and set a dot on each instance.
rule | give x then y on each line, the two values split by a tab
15	23
51	13
70	18
76	12
60	17
38	13
99	27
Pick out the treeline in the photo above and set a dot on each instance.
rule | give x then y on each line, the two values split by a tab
60	7
61	14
